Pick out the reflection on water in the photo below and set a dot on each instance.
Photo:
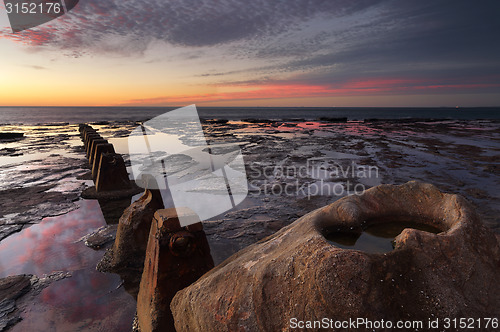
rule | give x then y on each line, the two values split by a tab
84	302
88	300
26	158
49	246
376	238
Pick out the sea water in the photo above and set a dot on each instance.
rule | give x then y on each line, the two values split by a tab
72	115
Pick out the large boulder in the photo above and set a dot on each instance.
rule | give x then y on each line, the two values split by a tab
298	275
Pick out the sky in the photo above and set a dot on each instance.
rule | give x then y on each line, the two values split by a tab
331	53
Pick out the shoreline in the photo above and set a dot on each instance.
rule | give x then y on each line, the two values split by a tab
7	127
458	156
476	140
75	115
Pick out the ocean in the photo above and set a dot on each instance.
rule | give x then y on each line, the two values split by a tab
72	115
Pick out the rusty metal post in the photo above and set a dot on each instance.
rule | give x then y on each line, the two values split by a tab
175	258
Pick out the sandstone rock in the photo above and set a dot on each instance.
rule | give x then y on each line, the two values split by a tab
38	284
30	204
11	136
11	288
126	257
100	238
176	257
17	291
298	273
6	230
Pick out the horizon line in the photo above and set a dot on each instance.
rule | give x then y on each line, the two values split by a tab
236	106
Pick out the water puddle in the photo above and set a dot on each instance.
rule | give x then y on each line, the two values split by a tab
86	301
376	238
27	158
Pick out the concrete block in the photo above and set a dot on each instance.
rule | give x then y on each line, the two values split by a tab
175	258
93	147
99	150
112	174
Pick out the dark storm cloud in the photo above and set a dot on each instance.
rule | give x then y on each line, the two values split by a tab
408	32
439	42
185	22
440	35
399	29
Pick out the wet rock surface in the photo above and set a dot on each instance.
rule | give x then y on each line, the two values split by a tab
24	206
16	291
10	136
38	176
11	288
39	283
458	156
11	152
47	197
101	238
298	273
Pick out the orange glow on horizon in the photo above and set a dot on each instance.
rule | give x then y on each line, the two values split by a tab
88	91
243	94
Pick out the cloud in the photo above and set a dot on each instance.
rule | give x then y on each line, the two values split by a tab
449	45
180	22
439	45
286	90
350	31
36	67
